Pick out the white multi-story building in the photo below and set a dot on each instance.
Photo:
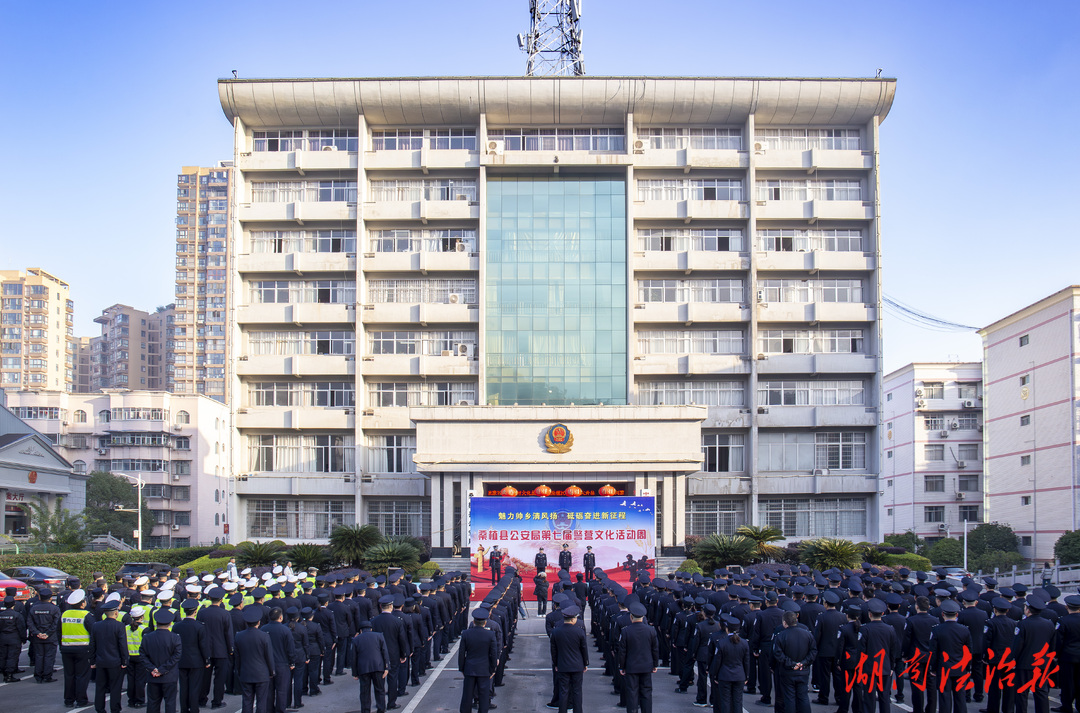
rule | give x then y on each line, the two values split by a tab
177	443
37	343
1030	376
430	273
931	473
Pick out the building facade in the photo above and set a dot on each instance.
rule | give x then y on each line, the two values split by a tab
1030	373
130	352
84	355
37	343
197	357
931	473
32	471
177	443
429	273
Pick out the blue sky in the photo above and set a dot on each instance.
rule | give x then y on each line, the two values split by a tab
103	103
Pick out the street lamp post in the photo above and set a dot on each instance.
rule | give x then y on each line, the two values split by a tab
138	505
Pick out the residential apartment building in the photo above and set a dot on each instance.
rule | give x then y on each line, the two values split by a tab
932	479
84	355
683	272
198	354
177	443
37	343
129	352
1030	373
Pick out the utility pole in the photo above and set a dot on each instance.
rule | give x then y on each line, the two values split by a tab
553	41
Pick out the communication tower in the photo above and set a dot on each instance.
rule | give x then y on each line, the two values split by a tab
553	42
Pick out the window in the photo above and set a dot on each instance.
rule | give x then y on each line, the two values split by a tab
39	412
415	240
1025	460
391	454
303	291
103	416
1025	380
603	139
1025	540
694	189
291	342
182	443
968	483
934	513
811	341
1025	340
967	389
811	393
300	519
183	418
430	189
340	139
969	513
713	138
80	416
1025	420
698	341
1025	500
888	454
302	191
704	393
303	241
281	453
840	451
181	492
79	466
452	139
695	239
400	517
934	452
293	393
967	421
723	453
803	291
404	394
803	139
707	516
182	518
799	240
888	396
933	390
714	291
139	414
786	451
934	422
811	517
429	291
967	451
934	483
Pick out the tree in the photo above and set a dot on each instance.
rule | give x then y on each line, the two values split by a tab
762	537
992	536
1067	548
908	540
382	556
1002	561
57	527
105	492
946	551
716	551
825	553
258	554
349	542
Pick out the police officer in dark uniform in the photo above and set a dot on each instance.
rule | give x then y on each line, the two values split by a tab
1033	633
948	640
397	644
975	620
160	652
638	659
729	666
566	558
369	660
897	621
588	562
195	656
108	657
880	644
848	661
12	636
540	591
284	650
1067	646
478	657
916	651
999	633
219	639
540	561
570	656
254	663
794	652
767	622
699	651
75	623
43	625
827	638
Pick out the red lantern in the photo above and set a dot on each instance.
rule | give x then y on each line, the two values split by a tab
509	492
607	491
573	491
542	491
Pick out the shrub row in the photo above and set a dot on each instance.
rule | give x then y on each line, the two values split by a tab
84	564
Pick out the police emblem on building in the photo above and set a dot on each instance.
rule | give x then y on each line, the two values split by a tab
558	439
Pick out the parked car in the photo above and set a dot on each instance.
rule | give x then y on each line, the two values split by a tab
22	592
137	569
956	572
38	577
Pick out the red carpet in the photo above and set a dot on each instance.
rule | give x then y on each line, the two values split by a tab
482	580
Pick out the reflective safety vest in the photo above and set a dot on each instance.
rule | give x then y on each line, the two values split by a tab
248	599
134	639
73	628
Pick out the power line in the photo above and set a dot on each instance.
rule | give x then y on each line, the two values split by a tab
916	317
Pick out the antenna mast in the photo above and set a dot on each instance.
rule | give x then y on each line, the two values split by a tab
553	42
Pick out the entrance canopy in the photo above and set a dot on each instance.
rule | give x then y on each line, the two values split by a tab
579	439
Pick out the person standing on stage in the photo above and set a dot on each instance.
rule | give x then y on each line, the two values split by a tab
541	592
495	562
540	561
588	562
478	657
566	558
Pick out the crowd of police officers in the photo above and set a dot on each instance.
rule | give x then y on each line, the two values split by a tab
859	639
273	639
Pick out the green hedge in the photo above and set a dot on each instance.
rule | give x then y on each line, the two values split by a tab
206	563
84	564
916	563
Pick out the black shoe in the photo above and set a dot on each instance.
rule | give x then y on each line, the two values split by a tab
553	706
1060	709
50	679
328	682
492	706
764	701
69	704
392	706
900	698
978	699
680	690
217	705
749	691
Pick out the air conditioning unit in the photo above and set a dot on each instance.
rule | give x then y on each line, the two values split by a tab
979	428
463	403
455	298
961	464
919	403
102	451
960	496
954	425
759	147
969	404
175	528
918	392
242	357
176	476
366	478
639	146
461	197
447	352
821	471
460	247
464	349
330	147
495	148
761	295
942	527
943	434
368	412
177	427
762	409
242	477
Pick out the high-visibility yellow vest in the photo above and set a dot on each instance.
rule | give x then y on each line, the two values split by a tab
73	628
134	638
248	599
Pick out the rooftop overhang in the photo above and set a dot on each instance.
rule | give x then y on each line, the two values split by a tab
510	439
544	101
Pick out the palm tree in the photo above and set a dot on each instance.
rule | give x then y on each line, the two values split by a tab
762	536
349	542
382	556
715	551
257	554
825	553
307	555
57	527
